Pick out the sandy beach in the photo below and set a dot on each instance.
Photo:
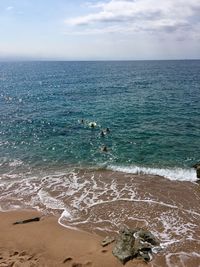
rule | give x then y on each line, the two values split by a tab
46	243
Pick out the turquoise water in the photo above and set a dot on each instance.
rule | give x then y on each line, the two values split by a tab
152	109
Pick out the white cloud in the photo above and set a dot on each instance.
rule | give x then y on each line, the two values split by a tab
166	16
9	8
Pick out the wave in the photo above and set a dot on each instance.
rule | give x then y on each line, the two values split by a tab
4	161
174	174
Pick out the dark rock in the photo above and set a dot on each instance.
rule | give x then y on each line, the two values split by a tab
147	236
145	255
197	167
108	240
36	219
77	264
67	259
141	246
198	172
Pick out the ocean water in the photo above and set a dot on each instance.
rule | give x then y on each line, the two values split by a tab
152	109
52	162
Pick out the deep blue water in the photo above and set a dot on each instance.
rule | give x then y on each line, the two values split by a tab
151	107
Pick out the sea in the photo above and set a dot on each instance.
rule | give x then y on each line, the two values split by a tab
105	143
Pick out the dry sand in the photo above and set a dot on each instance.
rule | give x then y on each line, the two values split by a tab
46	243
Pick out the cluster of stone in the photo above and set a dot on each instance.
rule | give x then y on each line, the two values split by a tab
133	244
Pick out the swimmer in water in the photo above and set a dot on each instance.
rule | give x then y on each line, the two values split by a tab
81	121
102	134
92	124
104	149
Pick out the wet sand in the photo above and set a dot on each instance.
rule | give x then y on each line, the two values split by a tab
98	203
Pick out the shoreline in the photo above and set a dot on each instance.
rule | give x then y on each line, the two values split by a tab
46	243
96	204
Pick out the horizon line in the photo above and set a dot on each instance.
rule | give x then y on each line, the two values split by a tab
88	60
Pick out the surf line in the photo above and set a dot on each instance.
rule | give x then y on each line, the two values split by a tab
145	201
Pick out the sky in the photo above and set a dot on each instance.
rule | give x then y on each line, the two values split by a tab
99	30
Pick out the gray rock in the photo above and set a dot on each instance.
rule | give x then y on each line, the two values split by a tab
124	249
148	237
108	240
134	243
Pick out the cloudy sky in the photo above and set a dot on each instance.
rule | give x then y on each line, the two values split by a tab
99	30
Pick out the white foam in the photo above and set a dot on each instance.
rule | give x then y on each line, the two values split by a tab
66	215
175	229
182	257
49	201
15	163
178	174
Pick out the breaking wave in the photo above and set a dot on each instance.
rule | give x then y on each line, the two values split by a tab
178	174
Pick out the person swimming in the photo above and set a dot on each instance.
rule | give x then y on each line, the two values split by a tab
92	124
104	149
81	121
102	134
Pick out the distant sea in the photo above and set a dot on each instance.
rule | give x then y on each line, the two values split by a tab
152	109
